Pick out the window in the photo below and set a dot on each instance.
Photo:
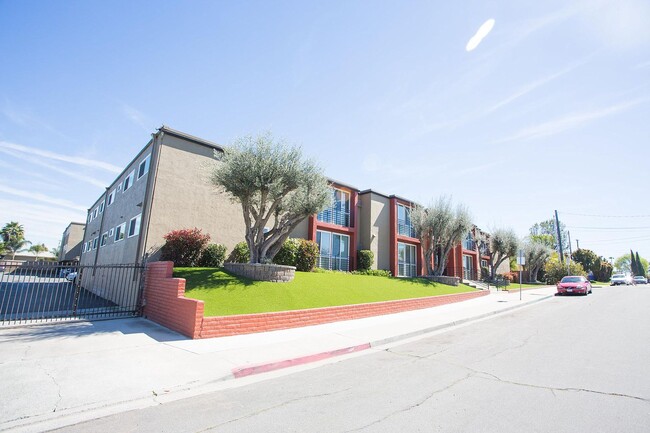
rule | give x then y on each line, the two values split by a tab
119	232
468	268
128	182
89	245
90	217
104	239
339	212
111	198
134	226
95	213
404	224
484	263
95	242
110	232
83	248
101	207
334	251
469	243
143	168
406	260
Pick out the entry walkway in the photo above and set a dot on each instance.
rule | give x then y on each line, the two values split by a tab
60	374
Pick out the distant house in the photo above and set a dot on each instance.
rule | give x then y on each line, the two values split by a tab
71	241
167	187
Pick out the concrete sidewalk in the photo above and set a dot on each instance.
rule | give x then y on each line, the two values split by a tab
60	374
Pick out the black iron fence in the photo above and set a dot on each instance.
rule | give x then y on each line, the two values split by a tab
50	291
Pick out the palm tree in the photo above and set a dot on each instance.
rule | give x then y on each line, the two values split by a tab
12	230
15	245
37	249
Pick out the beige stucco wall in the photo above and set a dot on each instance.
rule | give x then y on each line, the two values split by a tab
374	228
126	205
71	242
185	198
302	230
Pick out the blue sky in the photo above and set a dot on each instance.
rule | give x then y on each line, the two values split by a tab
550	111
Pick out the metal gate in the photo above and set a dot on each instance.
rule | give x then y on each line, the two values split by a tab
47	292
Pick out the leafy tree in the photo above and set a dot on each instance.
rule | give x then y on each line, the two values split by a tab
546	233
56	251
555	270
586	258
622	264
38	249
288	253
440	228
213	256
634	268
275	186
536	254
503	245
12	230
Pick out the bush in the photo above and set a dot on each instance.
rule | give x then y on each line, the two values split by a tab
365	260
213	256
288	253
307	253
373	272
184	247
240	254
556	270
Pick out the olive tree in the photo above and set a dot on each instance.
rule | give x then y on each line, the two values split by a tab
503	245
536	254
276	187
440	228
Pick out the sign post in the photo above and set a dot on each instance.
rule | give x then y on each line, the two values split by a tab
521	261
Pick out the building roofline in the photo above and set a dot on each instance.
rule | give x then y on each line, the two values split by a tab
167	130
343	184
366	191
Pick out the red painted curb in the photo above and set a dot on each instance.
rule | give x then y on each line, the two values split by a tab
272	366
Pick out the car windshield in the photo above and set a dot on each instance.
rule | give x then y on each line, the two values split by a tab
571	279
618	276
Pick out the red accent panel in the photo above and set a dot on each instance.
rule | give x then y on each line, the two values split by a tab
393	236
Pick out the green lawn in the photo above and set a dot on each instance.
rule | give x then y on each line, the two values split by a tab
225	294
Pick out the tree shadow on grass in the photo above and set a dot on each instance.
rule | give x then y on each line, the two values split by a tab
211	278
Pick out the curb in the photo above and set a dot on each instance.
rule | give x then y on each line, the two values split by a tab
244	371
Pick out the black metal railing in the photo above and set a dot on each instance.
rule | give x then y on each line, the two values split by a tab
334	263
334	216
50	291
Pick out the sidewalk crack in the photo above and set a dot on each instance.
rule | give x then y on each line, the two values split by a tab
58	386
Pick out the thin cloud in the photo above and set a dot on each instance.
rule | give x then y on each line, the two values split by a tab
138	117
480	34
531	87
63	171
59	157
568	122
42	198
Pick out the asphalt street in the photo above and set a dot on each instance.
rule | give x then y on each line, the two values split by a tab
569	364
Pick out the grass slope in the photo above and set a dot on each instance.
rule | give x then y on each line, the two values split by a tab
225	294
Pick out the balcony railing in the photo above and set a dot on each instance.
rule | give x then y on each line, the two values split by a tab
407	270
469	244
405	229
334	263
334	216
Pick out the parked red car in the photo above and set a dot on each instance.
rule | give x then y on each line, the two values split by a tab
573	284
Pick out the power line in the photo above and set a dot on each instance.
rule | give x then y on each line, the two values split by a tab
605	216
610	228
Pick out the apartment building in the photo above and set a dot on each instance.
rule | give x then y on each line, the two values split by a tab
167	187
71	242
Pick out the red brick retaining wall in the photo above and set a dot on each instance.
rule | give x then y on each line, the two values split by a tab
166	304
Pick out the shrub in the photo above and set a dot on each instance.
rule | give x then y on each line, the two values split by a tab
556	270
373	272
307	253
240	254
213	256
288	253
365	260
184	247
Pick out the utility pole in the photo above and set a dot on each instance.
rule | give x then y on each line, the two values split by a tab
568	263
577	244
559	237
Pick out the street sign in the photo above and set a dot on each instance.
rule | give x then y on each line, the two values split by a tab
521	260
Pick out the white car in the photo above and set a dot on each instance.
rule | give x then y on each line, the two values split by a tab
640	279
71	276
620	279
